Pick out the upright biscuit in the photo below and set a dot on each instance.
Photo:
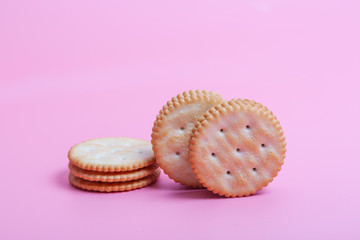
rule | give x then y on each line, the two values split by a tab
237	148
112	154
172	130
114	186
112	176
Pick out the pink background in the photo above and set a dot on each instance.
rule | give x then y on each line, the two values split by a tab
75	70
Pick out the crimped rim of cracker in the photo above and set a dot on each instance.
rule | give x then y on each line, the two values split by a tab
112	176
182	98
185	97
113	186
78	162
217	112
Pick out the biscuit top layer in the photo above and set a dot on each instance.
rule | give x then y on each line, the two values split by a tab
112	154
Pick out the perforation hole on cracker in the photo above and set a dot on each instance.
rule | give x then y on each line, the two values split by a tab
213	154
178	153
238	149
248	126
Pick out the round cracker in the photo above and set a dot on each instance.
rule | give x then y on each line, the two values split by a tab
172	130
237	148
114	186
112	176
112	154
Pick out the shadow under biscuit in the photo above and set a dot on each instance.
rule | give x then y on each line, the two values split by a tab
195	194
166	184
61	179
205	194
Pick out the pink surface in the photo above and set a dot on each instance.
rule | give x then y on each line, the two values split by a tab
75	70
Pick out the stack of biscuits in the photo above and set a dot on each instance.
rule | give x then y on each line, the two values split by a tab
112	164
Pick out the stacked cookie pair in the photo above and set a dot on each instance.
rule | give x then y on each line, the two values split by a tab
233	148
112	164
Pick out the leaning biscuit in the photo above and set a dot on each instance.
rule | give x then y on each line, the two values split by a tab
112	176
237	148
112	154
172	130
114	186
